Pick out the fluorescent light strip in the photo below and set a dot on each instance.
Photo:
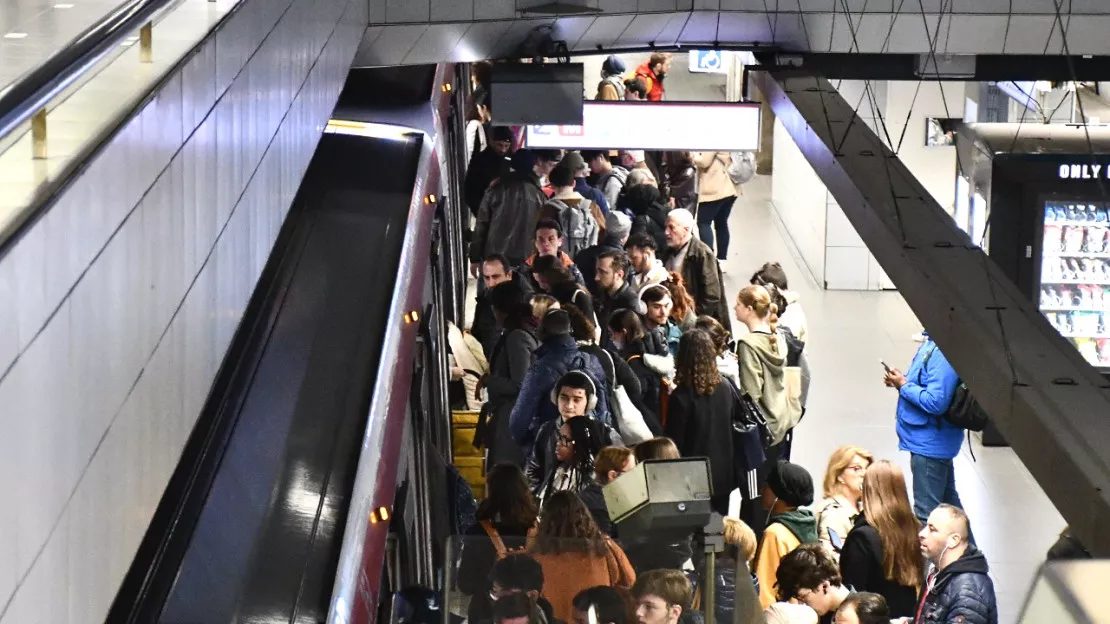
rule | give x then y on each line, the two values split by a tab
371	130
15	35
63	6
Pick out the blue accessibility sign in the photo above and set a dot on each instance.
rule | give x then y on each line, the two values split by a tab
707	61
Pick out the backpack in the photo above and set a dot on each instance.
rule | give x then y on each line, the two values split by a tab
742	168
499	544
465	507
620	174
964	411
580	229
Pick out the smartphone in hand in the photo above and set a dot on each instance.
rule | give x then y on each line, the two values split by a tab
886	367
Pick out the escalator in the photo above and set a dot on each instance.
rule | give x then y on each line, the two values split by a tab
251	524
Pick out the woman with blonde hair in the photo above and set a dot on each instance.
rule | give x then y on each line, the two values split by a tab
656	448
762	358
541	304
882	554
740	545
836	514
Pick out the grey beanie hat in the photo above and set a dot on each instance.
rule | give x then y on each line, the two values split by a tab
617	223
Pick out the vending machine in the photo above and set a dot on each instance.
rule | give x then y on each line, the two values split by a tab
1048	193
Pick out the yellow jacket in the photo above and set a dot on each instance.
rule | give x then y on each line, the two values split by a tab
777	542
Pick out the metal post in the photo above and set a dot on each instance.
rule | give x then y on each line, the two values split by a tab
146	40
709	587
38	135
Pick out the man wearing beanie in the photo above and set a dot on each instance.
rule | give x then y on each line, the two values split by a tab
578	167
789	486
617	228
611	86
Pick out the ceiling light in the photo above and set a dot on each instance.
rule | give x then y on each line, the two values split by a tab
15	35
63	6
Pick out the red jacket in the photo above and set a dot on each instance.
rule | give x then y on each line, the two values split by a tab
653	84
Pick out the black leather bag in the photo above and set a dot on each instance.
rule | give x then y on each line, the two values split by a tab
749	417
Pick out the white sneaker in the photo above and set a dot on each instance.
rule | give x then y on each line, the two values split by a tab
724	269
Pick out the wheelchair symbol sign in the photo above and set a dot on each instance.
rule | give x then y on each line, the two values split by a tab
707	61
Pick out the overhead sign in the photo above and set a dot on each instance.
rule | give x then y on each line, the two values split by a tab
1082	172
661	126
708	62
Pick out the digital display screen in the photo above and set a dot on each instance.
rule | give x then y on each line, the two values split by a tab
659	126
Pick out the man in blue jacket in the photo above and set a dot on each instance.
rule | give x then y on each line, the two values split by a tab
924	394
558	354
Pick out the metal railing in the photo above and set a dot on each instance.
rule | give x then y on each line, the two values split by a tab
29	98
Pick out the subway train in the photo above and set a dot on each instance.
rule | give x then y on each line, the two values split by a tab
315	484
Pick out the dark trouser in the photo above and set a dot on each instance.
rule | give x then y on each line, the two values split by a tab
714	215
934	482
752	511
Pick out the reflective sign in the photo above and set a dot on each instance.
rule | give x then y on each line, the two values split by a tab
708	61
700	126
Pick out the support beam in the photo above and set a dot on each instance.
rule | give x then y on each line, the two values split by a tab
1052	407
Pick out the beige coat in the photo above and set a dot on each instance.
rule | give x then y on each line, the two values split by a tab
713	180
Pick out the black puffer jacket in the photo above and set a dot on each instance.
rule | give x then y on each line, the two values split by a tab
962	592
509	363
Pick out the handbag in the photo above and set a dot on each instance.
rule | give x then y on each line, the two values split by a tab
627	417
749	416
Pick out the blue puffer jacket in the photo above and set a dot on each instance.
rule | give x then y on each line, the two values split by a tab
534	407
962	592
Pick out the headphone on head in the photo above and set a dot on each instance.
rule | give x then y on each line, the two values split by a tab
591	394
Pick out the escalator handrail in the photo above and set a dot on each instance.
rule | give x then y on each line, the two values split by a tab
35	89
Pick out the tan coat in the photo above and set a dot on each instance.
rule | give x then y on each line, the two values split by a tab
713	180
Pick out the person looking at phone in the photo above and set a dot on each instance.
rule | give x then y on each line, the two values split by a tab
924	393
837	512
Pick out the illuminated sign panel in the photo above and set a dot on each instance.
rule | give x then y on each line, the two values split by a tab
661	126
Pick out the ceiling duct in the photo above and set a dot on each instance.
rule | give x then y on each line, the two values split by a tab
945	66
559	8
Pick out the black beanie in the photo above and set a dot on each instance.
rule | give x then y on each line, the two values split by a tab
555	323
791	483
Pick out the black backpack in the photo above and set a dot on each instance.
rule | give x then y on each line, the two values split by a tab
964	411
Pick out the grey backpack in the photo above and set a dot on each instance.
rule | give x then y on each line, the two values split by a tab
580	229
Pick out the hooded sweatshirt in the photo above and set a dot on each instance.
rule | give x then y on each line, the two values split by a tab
762	360
785	532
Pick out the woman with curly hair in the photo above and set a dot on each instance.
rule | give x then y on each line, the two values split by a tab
575	554
683	312
699	416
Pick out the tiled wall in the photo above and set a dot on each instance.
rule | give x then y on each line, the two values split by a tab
117	307
827	241
798	198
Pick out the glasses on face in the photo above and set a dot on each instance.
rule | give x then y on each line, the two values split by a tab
857	468
564	440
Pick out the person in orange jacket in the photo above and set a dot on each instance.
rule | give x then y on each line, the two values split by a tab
652	73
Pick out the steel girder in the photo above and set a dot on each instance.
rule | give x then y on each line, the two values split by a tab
1052	407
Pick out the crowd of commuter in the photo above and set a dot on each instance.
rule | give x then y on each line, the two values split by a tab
611	340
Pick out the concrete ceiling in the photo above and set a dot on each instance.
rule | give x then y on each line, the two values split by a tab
406	32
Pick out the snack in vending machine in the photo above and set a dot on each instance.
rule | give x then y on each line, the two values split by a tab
1087	349
1073	239
1053	239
